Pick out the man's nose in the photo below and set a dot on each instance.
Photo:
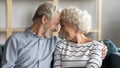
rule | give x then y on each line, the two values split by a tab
57	28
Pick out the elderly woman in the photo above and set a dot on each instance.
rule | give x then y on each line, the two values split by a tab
77	50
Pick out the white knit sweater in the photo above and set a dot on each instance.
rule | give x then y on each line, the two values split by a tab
71	55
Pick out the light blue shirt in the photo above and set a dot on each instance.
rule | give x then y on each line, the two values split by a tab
27	50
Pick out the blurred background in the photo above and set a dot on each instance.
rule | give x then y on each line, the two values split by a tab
16	15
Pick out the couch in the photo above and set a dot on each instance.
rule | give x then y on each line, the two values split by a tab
1	50
112	60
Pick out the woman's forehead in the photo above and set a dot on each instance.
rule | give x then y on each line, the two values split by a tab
66	23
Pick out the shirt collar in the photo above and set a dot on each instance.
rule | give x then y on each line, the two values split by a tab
28	32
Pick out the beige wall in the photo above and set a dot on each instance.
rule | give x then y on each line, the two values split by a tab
111	21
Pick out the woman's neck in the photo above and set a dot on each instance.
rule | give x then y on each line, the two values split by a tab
81	39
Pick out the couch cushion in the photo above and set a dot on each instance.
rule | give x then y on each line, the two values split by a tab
118	50
111	46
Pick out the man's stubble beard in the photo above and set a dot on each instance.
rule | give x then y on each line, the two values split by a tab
48	33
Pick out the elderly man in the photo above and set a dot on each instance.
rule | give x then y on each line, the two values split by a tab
34	47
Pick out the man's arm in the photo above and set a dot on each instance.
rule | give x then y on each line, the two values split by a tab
9	54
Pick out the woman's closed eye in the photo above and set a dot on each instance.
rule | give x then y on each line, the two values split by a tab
62	25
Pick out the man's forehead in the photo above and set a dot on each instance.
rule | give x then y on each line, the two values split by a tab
58	10
58	14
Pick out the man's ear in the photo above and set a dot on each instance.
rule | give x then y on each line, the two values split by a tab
44	19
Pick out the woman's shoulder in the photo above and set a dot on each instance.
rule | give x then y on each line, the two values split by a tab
62	43
97	44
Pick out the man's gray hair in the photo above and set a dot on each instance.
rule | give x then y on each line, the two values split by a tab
80	18
47	8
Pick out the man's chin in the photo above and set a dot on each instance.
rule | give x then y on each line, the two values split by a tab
48	35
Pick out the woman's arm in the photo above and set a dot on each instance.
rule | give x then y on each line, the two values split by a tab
95	60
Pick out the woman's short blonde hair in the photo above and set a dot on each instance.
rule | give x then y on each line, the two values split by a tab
75	16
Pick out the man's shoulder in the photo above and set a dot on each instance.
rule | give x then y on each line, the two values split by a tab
16	36
55	38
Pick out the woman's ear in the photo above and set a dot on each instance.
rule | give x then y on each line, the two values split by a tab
44	19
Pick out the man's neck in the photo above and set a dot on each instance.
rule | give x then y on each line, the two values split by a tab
37	29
